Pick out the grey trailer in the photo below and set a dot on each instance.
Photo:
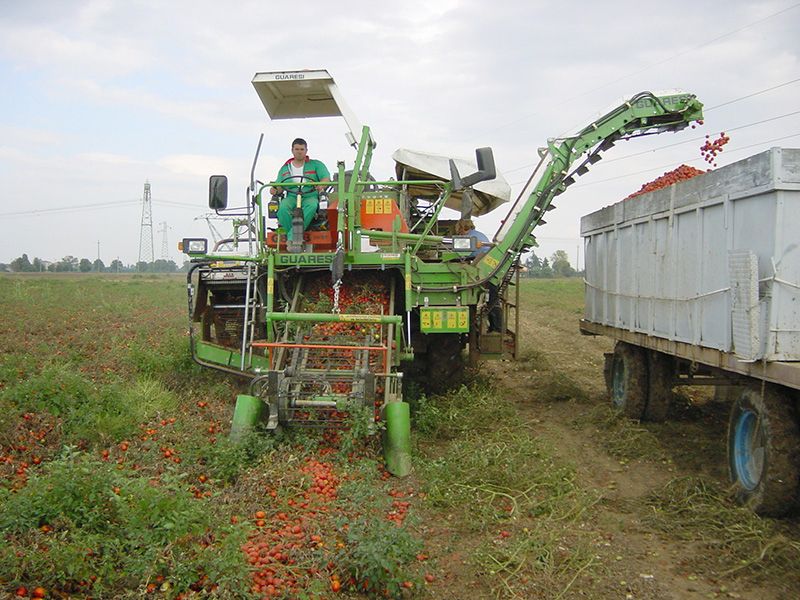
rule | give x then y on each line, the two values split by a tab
698	283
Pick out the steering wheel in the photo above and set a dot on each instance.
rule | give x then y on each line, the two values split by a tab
303	189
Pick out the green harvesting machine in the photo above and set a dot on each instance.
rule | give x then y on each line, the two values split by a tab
325	324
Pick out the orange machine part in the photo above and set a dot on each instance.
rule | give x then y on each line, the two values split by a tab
376	213
323	241
380	214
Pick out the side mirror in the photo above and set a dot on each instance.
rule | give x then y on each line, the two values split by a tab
486	170
218	192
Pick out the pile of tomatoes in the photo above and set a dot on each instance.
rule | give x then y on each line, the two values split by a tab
335	346
682	173
292	544
709	151
282	543
295	537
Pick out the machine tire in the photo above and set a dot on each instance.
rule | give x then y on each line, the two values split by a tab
763	448
659	392
444	362
628	381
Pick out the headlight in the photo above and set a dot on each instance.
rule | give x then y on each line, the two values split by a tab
464	244
194	245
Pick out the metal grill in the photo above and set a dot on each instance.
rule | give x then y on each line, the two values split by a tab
328	373
224	326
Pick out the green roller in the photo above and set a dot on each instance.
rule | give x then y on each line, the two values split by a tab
246	415
397	445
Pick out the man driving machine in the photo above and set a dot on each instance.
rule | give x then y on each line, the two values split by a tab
299	169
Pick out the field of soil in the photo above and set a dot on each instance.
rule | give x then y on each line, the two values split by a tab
671	530
117	479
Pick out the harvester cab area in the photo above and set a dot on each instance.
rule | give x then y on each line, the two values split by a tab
354	205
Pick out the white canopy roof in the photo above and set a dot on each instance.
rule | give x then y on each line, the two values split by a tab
413	164
302	95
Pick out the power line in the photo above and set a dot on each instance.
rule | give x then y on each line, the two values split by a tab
655	64
99	205
775	87
70	208
526	166
559	240
174	203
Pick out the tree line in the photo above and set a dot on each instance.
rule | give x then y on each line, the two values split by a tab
71	264
557	266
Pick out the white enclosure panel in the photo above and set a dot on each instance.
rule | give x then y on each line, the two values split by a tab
664	263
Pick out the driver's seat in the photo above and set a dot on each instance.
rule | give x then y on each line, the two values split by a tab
320	220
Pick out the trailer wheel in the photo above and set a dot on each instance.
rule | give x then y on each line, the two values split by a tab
628	380
763	446
659	392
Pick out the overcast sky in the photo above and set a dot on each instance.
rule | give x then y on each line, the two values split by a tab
100	96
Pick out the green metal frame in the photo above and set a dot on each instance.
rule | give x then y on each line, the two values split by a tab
442	288
448	281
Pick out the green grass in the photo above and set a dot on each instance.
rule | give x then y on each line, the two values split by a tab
127	463
563	295
735	540
622	438
486	472
117	528
90	362
90	413
98	360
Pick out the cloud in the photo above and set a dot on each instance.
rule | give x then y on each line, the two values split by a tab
207	113
198	165
30	137
15	154
106	158
38	46
105	94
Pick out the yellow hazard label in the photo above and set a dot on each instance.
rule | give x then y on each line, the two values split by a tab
408	281
222	263
444	319
492	262
270	285
378	206
369	206
387	206
361	318
425	319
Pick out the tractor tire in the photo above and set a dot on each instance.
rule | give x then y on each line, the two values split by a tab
659	393
444	363
764	449
628	381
